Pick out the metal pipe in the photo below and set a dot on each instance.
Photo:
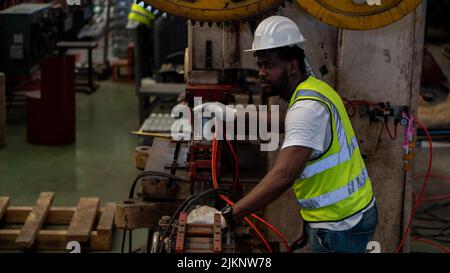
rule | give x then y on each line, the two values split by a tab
155	242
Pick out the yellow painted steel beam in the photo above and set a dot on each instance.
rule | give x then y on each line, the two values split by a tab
350	14
214	10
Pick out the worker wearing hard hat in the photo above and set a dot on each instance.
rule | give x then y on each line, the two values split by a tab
140	23
140	16
320	157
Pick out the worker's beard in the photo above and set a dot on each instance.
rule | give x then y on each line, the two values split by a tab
276	88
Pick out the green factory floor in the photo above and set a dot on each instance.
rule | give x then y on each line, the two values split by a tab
100	162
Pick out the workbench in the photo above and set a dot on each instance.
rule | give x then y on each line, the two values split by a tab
157	199
150	94
89	86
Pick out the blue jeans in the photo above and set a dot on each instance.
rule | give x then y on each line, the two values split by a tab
353	240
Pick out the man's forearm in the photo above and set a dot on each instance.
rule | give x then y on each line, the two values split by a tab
269	189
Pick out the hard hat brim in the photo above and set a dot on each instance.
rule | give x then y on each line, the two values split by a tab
273	47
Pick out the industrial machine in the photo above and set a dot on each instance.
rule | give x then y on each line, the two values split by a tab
349	14
28	32
182	176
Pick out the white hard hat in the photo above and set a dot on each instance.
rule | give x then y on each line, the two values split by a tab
276	31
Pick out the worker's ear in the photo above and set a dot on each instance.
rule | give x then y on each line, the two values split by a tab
293	67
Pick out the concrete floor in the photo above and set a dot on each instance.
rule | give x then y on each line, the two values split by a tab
100	163
436	187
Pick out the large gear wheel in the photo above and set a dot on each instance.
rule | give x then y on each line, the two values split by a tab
214	10
359	14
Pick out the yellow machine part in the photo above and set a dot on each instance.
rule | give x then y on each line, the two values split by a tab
214	10
358	14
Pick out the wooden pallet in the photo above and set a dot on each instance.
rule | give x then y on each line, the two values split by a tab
51	228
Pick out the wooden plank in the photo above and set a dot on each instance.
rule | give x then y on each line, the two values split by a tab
50	240
35	220
8	238
4	203
83	219
45	240
106	222
55	216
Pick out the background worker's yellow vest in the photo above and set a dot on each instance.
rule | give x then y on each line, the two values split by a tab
336	185
141	15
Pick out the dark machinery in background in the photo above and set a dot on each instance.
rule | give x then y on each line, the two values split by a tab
28	32
170	40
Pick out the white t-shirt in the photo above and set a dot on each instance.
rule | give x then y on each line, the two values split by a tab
307	124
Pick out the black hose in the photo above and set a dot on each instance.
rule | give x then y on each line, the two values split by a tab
131	195
153	173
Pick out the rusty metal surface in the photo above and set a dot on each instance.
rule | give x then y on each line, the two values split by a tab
136	213
217	245
179	247
162	152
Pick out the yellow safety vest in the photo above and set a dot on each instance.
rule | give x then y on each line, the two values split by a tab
335	185
141	15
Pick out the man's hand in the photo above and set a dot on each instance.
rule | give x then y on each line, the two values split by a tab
227	214
220	110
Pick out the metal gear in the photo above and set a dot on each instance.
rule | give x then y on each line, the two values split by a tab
359	14
214	11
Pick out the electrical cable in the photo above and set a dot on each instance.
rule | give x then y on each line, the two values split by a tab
270	226
236	167
156	174
392	137
216	185
422	191
378	140
123	241
429	199
350	105
437	198
130	241
186	203
131	195
431	243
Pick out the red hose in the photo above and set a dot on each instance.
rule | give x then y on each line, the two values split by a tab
216	185
431	243
236	167
231	203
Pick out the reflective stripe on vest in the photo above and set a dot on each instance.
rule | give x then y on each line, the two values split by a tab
335	185
344	154
337	195
141	15
346	149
